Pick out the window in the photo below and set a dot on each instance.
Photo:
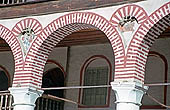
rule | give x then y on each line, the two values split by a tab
95	96
97	70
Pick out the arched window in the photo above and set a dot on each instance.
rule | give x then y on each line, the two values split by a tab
96	71
95	76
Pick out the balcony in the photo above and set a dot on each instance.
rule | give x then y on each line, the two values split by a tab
43	103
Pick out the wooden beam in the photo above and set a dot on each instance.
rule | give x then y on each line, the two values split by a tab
4	49
55	6
152	107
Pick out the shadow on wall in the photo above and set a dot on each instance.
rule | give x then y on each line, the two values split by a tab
3	81
53	78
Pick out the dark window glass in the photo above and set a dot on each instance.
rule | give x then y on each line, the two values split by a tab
95	96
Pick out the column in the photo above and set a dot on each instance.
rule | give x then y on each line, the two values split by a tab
128	95
25	97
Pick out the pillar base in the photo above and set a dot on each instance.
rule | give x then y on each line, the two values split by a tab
25	97
128	95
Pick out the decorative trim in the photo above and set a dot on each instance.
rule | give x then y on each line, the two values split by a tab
129	10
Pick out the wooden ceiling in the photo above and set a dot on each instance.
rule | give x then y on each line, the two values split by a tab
83	37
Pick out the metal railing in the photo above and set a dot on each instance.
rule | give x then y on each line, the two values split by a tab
42	103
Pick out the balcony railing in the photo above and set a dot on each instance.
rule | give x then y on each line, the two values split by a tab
6	101
48	103
42	103
18	2
12	1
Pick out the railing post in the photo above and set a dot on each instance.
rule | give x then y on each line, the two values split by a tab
25	97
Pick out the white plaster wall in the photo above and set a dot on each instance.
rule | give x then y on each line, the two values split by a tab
155	71
7	61
163	47
58	55
154	74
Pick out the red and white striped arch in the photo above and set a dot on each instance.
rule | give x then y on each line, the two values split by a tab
126	71
127	67
23	74
54	33
27	23
13	43
142	41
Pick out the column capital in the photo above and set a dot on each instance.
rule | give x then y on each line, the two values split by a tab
25	97
128	94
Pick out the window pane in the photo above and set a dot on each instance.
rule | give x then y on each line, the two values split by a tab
95	96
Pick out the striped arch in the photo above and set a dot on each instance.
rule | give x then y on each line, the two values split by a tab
59	29
143	39
27	23
20	71
14	45
126	72
129	10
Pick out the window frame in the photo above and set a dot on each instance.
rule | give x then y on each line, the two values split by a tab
82	72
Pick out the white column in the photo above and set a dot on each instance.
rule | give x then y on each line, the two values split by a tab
24	97
128	95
